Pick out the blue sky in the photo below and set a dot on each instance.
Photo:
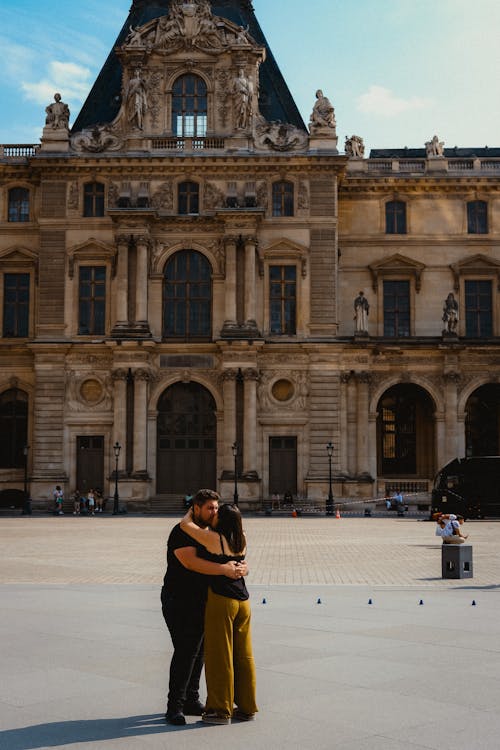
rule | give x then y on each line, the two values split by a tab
397	71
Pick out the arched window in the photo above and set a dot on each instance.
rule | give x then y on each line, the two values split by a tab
19	204
395	217
93	199
13	428
283	198
189	107
187	297
188	198
477	217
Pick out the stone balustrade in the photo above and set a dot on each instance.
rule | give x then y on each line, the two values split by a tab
422	166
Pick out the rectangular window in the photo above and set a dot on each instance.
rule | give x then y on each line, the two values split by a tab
92	301
395	217
477	217
16	299
283	299
396	308
478	309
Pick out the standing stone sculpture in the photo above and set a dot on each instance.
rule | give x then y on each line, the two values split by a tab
361	312
450	315
242	98
57	114
136	99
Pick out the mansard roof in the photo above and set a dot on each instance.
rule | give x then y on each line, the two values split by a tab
275	100
420	153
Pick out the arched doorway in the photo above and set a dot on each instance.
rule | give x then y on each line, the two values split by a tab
482	421
186	439
405	433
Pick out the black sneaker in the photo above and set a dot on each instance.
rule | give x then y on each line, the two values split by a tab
176	719
193	708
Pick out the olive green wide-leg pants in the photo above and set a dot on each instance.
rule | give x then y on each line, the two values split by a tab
229	662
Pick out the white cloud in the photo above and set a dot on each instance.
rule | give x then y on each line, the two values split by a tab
71	80
381	101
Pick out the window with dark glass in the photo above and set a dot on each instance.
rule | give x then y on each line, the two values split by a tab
396	308
13	428
478	309
477	217
189	107
19	204
93	199
283	299
399	433
188	198
92	300
283	198
395	217
187	296
16	298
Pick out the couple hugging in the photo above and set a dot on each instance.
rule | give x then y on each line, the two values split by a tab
205	605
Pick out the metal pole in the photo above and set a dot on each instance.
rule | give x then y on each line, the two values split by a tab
116	500
235	454
329	504
27	503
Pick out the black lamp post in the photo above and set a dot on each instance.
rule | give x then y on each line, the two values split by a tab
116	501
329	503
234	448
27	501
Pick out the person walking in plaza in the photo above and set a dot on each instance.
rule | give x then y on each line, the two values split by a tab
229	662
183	599
91	502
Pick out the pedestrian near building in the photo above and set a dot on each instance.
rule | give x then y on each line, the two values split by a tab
58	501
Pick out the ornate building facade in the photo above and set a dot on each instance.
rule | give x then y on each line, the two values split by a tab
193	273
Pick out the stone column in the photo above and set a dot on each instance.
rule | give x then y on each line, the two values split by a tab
251	377
229	396
141	286
351	426
231	284
343	447
121	282
250	264
120	407
141	379
451	380
363	380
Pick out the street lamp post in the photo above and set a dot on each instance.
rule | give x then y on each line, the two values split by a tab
116	501
329	503
234	448
27	501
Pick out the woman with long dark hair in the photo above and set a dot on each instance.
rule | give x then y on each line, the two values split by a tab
229	662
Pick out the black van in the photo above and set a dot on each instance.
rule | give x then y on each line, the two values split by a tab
469	487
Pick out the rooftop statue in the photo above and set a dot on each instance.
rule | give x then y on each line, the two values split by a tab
434	148
57	114
323	115
354	147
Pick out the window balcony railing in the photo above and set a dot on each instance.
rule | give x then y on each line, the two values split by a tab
187	144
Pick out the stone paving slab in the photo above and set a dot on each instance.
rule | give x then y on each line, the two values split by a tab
124	550
341	674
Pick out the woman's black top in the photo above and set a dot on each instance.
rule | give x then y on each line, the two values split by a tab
229	587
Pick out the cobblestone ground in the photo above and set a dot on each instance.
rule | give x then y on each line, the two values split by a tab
131	550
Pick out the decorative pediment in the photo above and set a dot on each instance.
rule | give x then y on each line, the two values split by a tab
283	249
91	250
478	264
397	265
20	258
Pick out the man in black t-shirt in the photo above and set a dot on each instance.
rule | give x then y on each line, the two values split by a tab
183	599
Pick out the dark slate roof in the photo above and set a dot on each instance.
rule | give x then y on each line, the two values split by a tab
420	153
103	102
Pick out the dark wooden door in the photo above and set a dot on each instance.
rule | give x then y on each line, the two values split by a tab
89	463
283	465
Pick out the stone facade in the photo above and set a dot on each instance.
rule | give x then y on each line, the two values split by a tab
182	278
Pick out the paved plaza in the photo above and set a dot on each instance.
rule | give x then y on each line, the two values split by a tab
84	652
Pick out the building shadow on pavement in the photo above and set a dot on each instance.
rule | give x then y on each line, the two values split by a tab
57	733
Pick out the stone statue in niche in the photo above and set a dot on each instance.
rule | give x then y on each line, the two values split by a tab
354	147
57	114
242	98
136	100
434	148
323	115
450	315
361	312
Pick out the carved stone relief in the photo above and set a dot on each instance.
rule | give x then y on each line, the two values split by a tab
277	392
73	196
87	391
213	197
163	198
279	136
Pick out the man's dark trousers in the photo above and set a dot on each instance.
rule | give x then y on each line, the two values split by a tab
185	621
